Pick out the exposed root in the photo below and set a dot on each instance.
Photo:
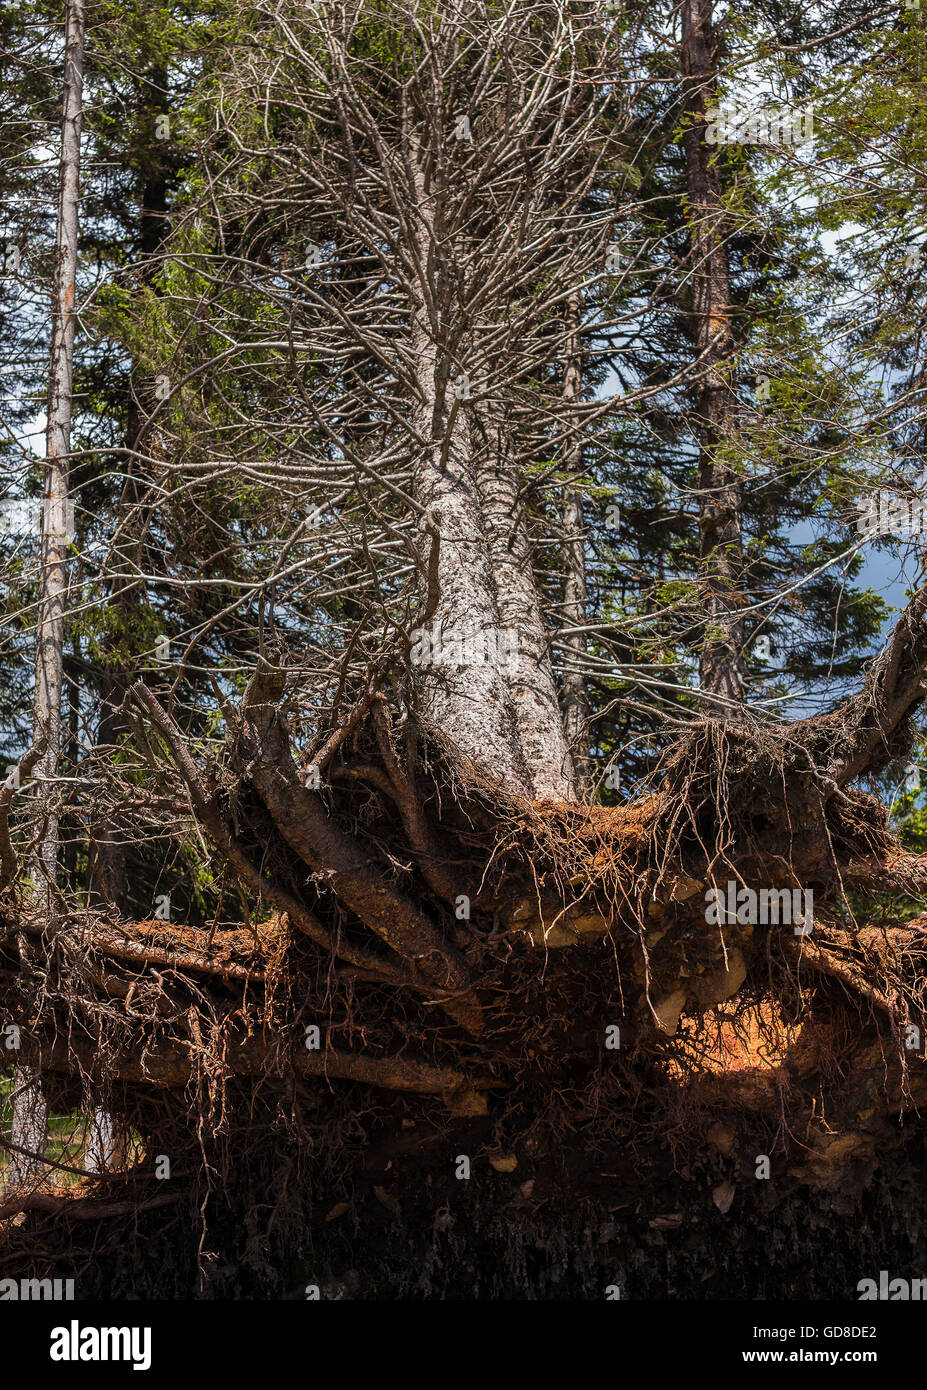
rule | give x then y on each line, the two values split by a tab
574	1001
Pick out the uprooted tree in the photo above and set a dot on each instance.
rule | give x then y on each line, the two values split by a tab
389	306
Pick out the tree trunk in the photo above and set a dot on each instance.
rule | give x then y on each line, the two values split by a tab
106	1144
53	581
29	1129
528	666
29	1118
722	666
464	691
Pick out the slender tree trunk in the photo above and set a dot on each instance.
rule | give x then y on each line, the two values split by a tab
49	661
106	1143
722	665
575	695
29	1129
30	1117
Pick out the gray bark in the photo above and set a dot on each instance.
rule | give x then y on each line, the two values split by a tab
29	1129
29	1110
529	670
106	1144
463	690
54	579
